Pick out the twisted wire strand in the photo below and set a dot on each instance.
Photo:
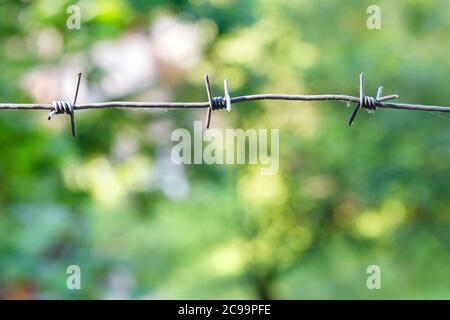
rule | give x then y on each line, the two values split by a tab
234	100
225	102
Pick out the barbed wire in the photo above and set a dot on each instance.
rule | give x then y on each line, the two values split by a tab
218	102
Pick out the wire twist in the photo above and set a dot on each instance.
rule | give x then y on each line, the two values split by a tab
61	107
218	103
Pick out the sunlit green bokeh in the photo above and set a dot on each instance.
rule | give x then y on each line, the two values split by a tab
140	227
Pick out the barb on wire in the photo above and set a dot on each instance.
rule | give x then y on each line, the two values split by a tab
366	102
217	103
61	107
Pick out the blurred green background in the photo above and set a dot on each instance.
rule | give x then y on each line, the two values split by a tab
112	202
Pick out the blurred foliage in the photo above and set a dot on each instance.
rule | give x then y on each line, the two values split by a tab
345	198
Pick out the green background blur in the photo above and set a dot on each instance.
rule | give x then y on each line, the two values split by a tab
112	202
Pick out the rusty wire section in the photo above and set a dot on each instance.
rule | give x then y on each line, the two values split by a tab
218	102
